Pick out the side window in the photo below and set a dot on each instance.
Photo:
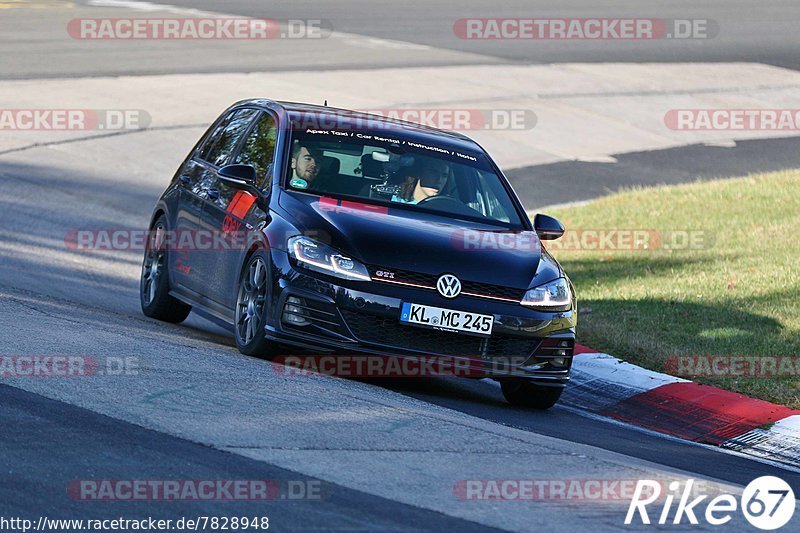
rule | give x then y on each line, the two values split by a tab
489	199
222	143
258	149
214	137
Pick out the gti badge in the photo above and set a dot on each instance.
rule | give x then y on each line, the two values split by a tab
448	286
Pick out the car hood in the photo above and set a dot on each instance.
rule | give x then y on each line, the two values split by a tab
393	238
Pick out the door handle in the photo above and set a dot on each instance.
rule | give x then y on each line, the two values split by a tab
212	193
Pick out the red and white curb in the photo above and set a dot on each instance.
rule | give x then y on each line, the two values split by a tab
610	387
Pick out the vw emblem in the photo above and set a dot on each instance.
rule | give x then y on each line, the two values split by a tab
448	286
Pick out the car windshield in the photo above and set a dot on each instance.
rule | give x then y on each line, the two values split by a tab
396	169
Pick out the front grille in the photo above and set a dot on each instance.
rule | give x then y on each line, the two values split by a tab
405	276
496	291
429	281
389	332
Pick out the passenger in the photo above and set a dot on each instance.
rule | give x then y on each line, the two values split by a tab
425	179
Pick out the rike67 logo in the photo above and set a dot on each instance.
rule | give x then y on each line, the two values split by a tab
767	503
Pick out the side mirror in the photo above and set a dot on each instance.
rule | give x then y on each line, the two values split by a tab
238	173
547	228
243	177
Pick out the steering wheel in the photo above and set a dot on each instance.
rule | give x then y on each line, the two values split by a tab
448	204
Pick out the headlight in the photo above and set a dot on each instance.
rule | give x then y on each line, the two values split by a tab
314	255
553	295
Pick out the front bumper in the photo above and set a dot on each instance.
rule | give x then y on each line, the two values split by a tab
326	315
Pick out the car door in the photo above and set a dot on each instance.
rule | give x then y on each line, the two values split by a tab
202	248
235	213
193	181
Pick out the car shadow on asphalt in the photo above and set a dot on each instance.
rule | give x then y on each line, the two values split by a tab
572	181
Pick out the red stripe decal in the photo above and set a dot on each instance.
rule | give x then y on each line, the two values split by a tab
234	201
368	208
696	412
241	204
328	204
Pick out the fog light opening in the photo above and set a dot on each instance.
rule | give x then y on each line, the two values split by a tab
293	313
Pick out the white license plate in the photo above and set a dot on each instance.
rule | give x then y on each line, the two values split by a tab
446	319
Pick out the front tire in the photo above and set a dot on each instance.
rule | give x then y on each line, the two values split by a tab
523	393
251	307
154	282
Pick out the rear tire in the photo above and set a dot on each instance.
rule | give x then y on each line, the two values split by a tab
251	308
523	393
154	282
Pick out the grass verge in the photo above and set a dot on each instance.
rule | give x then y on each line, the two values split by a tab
714	270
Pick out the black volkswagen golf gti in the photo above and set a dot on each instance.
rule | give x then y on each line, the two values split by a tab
336	232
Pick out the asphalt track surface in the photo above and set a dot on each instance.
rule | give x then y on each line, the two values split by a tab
55	301
748	32
762	33
77	441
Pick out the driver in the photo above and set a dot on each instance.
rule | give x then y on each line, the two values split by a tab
426	178
305	165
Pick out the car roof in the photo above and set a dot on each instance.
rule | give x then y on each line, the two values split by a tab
419	131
